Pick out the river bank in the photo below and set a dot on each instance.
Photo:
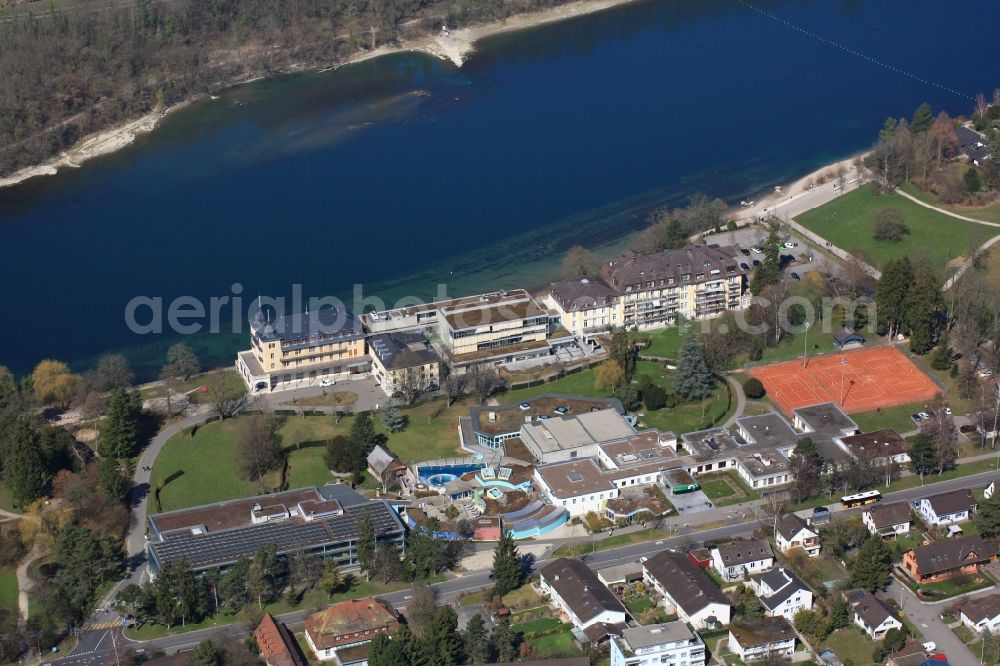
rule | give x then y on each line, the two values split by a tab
453	46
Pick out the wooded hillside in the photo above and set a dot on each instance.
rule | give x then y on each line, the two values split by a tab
75	67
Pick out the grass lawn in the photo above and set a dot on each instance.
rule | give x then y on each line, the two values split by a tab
897	418
8	588
306	468
985	213
663	343
726	488
577	549
6	503
993	267
636	605
559	644
848	222
943	378
850	644
536	626
580	383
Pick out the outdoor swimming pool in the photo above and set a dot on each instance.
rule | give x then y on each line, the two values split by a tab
438	480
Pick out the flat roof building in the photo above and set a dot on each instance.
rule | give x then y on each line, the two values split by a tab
404	361
667	643
573	435
321	520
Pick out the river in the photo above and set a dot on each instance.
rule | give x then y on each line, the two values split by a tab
404	172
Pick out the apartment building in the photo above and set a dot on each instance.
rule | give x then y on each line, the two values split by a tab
403	362
668	643
652	290
302	349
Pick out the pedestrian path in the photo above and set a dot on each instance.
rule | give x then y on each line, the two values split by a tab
97	626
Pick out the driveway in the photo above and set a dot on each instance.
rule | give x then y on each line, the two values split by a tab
927	619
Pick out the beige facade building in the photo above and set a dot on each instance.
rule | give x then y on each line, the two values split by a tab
651	291
302	349
403	362
498	327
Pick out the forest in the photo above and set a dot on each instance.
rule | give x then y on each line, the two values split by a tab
83	66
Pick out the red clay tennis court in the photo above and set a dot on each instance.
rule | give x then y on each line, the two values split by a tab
872	379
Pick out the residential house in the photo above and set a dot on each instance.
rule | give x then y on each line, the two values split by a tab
385	467
972	144
276	644
911	654
941	560
343	631
988	490
888	520
981	614
759	638
793	532
782	592
686	590
669	643
580	595
586	307
871	614
404	362
738	558
956	506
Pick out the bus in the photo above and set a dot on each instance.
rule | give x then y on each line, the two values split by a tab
867	497
682	488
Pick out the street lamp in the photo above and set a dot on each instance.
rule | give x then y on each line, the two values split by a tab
843	369
805	345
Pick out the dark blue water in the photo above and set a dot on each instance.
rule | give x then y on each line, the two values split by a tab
404	172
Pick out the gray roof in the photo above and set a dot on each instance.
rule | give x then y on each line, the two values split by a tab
887	515
575	430
379	459
632	269
581	294
768	430
791	525
402	350
942	556
579	587
872	610
213	548
784	584
955	501
983	608
972	143
686	584
656	634
329	322
744	551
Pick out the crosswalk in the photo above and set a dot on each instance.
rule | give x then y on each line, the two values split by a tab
97	626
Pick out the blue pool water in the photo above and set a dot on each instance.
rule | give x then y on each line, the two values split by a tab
440	479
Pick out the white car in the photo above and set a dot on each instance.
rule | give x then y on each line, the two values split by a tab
947	411
790	244
923	416
326	382
757	250
930	646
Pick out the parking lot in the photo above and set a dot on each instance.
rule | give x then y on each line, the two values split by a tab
806	257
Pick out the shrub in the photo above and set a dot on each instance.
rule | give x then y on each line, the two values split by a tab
972	180
654	397
754	388
889	225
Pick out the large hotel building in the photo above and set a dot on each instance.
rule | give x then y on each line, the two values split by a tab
651	291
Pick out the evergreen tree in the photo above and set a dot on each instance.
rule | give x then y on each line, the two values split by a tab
922	119
806	449
443	645
508	569
362	439
119	432
923	309
923	456
366	542
206	654
262	576
839	616
872	568
693	379
622	351
989	516
391	419
769	271
383	652
504	641
891	291
114	484
941	360
477	641
332	578
24	471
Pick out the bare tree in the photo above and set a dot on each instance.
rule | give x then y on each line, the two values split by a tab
454	387
227	394
484	381
258	445
579	262
412	379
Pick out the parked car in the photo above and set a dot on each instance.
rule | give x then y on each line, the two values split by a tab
326	382
923	416
790	244
745	266
756	262
746	252
560	410
525	406
930	646
795	276
947	411
757	250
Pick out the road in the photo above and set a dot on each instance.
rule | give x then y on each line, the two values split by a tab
97	646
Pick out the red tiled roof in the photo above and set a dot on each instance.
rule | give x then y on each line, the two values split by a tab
276	644
338	623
